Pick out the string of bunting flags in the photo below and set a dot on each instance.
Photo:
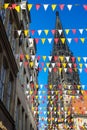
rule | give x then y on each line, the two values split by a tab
22	5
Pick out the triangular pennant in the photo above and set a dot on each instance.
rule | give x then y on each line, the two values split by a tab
53	31
43	40
32	32
45	69
47	64
74	31
85	59
36	40
67	31
6	5
50	69
80	65
80	70
53	6
13	6
64	65
67	58
69	40
45	6
26	32
82	40
86	65
60	31
37	6
17	8
56	40
46	32
61	6
49	57
85	7
19	32
70	65
31	64
49	40
39	32
81	31
79	58
29	6
27	56
44	58
63	40
69	7
53	64
65	69
76	40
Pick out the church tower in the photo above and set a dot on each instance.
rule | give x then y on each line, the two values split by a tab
63	83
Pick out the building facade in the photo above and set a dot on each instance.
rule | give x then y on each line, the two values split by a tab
63	84
16	73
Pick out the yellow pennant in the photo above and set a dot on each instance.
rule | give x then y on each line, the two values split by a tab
17	8
6	5
36	97
80	65
82	40
45	69
60	69
53	6
67	31
79	58
44	58
31	64
47	64
62	40
48	97
46	32
50	86
61	58
29	6
64	65
78	86
27	57
26	32
36	85
43	40
31	92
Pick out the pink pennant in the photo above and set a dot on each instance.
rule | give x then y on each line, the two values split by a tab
53	31
37	6
26	64
14	5
76	40
86	70
73	59
85	7
55	58
58	64
75	65
61	6
32	31
55	69
70	70
21	56
74	31
42	63
36	40
38	57
56	40
10	7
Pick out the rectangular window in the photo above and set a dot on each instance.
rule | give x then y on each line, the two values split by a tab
2	81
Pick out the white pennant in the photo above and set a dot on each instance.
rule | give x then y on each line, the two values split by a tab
84	58
39	92
50	69
33	57
19	32
86	65
70	65
83	86
50	57
80	70
67	58
39	32
40	97
60	31
23	5
65	69
53	64
45	6
69	40
49	40
20	64
69	7
41	85
81	31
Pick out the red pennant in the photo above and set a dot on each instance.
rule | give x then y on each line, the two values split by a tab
38	57
37	6
55	58
73	59
53	31
56	40
21	56
36	40
14	5
75	65
42	63
25	63
70	70
86	70
74	31
58	64
76	40
32	31
61	6
55	69
85	7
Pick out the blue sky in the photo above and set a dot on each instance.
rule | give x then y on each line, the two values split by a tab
76	18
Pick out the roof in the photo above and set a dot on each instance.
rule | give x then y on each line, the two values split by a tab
79	105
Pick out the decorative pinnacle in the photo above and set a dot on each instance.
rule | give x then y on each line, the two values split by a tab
57	13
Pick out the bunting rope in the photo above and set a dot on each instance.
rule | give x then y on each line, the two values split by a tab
22	5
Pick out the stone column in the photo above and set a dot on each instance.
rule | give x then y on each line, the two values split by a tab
20	117
23	120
